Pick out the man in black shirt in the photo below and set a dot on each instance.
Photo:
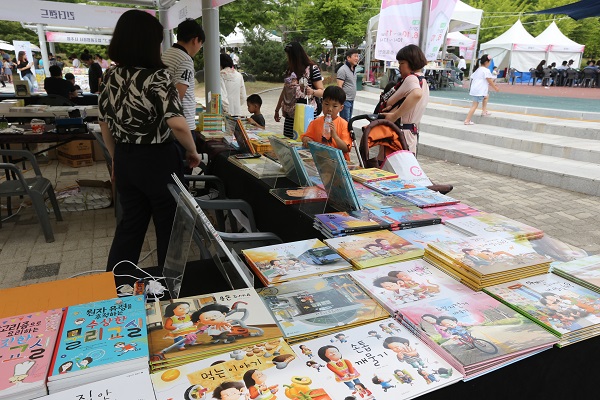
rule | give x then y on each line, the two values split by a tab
94	72
57	85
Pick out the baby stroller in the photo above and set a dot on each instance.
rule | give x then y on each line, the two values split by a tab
389	136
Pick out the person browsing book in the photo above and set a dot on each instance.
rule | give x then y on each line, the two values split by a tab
338	135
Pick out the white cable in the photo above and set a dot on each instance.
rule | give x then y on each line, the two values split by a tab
87	272
17	212
154	287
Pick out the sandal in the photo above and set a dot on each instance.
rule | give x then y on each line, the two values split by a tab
485	114
469	123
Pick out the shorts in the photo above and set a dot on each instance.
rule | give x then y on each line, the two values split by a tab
478	99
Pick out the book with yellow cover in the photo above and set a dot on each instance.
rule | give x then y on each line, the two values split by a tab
371	175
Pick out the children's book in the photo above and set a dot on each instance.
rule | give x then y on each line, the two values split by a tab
406	217
475	332
372	200
490	224
27	344
371	175
134	385
335	176
99	340
380	360
430	234
370	249
297	195
584	271
392	186
295	260
318	306
266	370
343	222
401	284
565	308
426	198
259	167
453	211
553	249
192	328
283	151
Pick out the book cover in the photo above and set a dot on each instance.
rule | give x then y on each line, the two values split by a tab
371	175
335	176
288	261
343	222
490	224
259	167
476	331
392	186
453	211
380	360
426	198
267	370
313	306
99	334
372	200
430	234
27	343
197	327
400	284
370	249
406	217
307	194
134	385
560	305
584	270
553	249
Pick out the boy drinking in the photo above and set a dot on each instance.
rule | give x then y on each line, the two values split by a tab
337	135
254	102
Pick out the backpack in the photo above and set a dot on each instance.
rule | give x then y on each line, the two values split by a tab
288	104
389	90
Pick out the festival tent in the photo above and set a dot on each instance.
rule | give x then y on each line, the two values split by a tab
560	47
237	38
515	48
457	39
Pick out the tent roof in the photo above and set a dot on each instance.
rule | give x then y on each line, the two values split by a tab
458	39
237	38
464	17
515	36
581	9
553	36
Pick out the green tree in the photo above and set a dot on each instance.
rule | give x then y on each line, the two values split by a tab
262	57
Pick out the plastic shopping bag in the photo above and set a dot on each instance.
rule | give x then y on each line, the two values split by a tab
405	164
303	115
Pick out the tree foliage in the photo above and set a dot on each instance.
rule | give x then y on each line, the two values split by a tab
262	57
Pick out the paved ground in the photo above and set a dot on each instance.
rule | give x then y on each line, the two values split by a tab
83	238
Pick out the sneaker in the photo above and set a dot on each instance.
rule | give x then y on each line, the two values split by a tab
469	123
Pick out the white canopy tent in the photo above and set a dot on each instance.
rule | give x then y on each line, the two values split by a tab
457	39
560	47
515	48
237	38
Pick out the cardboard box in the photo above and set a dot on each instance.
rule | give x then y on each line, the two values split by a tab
77	153
75	163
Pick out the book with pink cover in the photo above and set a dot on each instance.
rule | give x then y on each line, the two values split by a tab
26	349
453	211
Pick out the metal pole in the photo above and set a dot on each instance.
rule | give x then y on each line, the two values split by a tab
423	31
210	22
475	57
162	17
52	48
42	38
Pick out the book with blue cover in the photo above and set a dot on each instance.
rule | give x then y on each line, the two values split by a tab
99	340
424	235
406	217
343	222
427	198
369	199
391	186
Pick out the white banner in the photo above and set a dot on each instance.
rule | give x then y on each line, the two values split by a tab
400	23
62	14
78	38
182	10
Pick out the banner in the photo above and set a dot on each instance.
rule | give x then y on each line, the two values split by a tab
182	10
62	14
78	38
400	24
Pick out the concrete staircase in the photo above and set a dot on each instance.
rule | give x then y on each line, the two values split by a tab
550	147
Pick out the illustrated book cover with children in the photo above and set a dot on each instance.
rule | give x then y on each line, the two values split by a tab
191	328
371	175
426	198
453	211
391	186
475	332
490	224
26	353
565	308
370	249
295	260
369	199
380	360
406	217
401	284
266	370
584	271
134	385
553	249
424	235
99	340
320	305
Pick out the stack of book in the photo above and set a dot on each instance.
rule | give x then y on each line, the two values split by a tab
298	195
453	211
211	124
490	224
381	360
568	310
99	340
372	200
393	186
260	168
192	328
267	370
26	353
371	175
584	271
406	217
295	260
319	306
370	249
553	249
484	261
474	332
426	198
342	223
430	234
